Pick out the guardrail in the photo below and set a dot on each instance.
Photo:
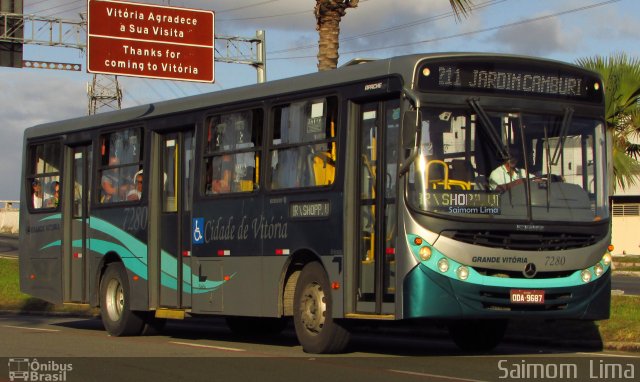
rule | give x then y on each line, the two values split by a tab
9	212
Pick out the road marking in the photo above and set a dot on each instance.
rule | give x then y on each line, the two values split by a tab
434	376
24	327
206	346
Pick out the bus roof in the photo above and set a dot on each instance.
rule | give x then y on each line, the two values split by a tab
402	65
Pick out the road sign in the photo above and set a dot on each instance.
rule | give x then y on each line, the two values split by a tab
151	41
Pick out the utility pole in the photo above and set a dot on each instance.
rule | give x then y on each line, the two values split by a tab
106	92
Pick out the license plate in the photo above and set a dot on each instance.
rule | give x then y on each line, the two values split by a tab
527	296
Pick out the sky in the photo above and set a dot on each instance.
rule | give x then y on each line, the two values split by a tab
556	29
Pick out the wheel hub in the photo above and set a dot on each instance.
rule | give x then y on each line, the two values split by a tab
114	300
314	308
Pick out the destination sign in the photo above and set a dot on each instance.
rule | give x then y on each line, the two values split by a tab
317	209
463	202
151	41
509	78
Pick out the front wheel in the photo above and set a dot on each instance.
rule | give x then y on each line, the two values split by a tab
115	303
315	327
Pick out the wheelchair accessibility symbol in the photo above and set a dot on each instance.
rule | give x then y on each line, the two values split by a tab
196	228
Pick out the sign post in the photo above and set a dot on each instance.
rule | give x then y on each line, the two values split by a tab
151	41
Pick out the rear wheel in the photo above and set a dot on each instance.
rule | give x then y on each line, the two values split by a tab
477	335
115	303
315	327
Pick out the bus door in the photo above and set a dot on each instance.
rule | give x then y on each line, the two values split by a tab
76	212
378	162
177	156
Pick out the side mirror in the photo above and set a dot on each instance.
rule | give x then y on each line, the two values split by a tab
411	138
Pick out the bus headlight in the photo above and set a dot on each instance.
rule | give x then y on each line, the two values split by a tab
599	270
462	272
585	275
606	259
425	253
443	265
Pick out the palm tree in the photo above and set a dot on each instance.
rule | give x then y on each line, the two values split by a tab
621	77
329	13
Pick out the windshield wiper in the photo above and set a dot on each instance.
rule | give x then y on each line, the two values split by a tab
488	127
548	154
566	122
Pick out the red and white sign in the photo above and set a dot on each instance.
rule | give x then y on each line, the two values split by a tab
151	41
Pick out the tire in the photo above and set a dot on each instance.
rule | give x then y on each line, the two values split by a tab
115	303
316	329
477	335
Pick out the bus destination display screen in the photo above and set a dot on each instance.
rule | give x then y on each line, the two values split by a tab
509	78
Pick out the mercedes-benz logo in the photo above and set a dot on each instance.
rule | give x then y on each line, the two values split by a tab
530	270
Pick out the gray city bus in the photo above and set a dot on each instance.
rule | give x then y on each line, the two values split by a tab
462	189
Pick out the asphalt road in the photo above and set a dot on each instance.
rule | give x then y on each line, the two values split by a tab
629	284
205	350
8	245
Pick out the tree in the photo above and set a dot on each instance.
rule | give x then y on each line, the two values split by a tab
329	13
621	80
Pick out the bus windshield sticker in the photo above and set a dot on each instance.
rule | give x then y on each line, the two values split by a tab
309	209
367	115
317	110
464	203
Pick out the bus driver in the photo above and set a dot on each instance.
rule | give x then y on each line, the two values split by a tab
507	175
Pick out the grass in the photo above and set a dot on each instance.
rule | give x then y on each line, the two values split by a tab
629	269
627	259
623	326
12	299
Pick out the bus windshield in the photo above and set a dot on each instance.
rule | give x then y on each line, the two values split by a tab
497	164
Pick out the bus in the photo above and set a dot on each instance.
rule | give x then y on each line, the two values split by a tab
464	190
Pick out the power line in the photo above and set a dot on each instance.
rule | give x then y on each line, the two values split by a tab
517	23
269	16
60	6
247	6
265	17
395	27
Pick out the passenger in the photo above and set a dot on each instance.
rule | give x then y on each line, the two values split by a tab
37	194
54	200
221	169
110	182
136	192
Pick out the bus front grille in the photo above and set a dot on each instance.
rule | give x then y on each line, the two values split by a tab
518	274
524	241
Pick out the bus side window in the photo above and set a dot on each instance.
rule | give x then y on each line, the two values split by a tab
121	160
304	140
231	158
44	176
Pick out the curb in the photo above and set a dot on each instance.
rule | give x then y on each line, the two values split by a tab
47	313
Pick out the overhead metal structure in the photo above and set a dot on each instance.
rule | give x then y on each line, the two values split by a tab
18	29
